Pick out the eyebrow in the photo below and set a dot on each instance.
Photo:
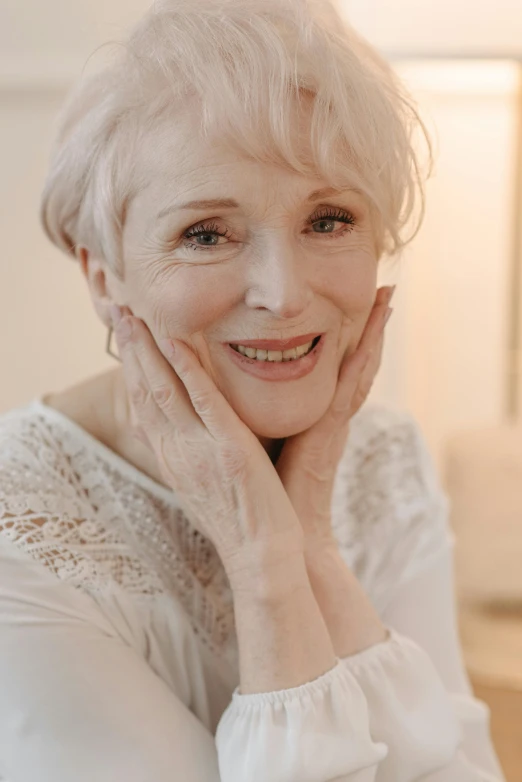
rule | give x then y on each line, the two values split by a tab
230	203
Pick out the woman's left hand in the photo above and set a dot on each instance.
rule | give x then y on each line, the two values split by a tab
308	461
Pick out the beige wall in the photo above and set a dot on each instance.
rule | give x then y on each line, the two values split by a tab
457	275
445	25
445	353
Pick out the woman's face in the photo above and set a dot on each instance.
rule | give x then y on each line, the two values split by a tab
268	264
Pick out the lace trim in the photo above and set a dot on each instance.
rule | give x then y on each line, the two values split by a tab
394	516
90	523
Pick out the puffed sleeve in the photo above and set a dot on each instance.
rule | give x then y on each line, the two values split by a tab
77	702
317	732
417	687
418	707
424	610
341	727
408	693
421	722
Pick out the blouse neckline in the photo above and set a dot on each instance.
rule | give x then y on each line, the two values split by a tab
129	470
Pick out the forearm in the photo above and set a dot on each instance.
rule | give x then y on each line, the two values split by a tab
352	621
282	637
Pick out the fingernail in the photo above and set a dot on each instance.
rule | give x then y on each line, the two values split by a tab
392	291
388	315
169	348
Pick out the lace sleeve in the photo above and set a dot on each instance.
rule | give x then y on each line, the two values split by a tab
392	518
425	611
48	511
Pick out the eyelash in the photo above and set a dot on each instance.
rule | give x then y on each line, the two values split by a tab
327	214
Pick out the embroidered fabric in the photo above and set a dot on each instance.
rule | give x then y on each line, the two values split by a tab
92	519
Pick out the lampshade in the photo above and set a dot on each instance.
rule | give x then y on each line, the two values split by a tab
467	28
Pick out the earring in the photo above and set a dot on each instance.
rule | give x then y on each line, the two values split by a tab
108	346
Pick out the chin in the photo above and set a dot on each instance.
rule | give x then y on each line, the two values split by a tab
282	424
277	433
283	410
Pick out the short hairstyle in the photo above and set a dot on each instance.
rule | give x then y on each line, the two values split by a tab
248	64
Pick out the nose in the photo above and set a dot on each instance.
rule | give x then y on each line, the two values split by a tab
279	280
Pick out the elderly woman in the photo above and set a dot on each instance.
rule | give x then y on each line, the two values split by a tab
214	566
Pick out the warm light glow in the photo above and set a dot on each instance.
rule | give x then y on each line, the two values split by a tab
470	77
462	27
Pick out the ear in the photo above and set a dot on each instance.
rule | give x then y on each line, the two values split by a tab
100	282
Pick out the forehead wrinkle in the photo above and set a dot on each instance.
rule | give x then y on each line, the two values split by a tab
231	203
194	165
199	170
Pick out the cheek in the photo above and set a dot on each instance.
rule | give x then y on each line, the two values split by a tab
194	300
352	287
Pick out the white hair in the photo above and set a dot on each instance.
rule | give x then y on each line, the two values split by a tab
248	63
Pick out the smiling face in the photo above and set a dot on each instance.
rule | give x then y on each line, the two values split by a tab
266	264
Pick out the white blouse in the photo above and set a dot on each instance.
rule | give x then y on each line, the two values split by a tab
118	651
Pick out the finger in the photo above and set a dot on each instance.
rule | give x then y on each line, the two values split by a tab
361	361
360	368
149	415
166	400
213	409
355	363
368	375
181	388
374	363
370	334
372	367
384	294
372	331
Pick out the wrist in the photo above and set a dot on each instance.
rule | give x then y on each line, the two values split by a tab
352	620
268	569
319	550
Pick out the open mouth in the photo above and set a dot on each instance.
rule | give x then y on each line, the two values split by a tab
277	356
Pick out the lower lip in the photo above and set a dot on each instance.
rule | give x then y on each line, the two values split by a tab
275	370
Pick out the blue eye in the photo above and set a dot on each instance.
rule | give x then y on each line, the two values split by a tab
204	230
212	232
332	215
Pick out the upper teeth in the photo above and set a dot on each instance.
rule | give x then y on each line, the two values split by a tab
275	355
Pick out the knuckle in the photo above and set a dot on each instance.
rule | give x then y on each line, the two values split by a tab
163	395
139	395
202	402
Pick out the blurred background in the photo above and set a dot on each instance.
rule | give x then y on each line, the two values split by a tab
453	353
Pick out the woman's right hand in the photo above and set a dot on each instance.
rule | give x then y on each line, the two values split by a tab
216	466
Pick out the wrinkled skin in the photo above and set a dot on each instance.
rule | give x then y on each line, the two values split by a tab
281	269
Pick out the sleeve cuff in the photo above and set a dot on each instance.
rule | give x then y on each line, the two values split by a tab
384	707
313	732
409	707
